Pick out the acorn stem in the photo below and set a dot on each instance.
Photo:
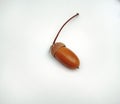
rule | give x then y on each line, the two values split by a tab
63	26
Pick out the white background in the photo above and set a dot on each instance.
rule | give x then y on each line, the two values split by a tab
28	72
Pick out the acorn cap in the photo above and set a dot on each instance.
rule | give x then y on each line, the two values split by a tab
55	47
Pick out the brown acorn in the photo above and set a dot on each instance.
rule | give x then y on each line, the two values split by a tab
62	53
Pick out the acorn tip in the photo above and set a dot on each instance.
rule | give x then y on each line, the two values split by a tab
78	67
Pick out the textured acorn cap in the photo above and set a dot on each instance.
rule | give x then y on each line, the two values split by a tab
55	47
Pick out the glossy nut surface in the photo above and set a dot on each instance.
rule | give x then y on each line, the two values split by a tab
65	56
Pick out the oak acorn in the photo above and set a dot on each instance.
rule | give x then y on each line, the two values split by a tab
62	53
